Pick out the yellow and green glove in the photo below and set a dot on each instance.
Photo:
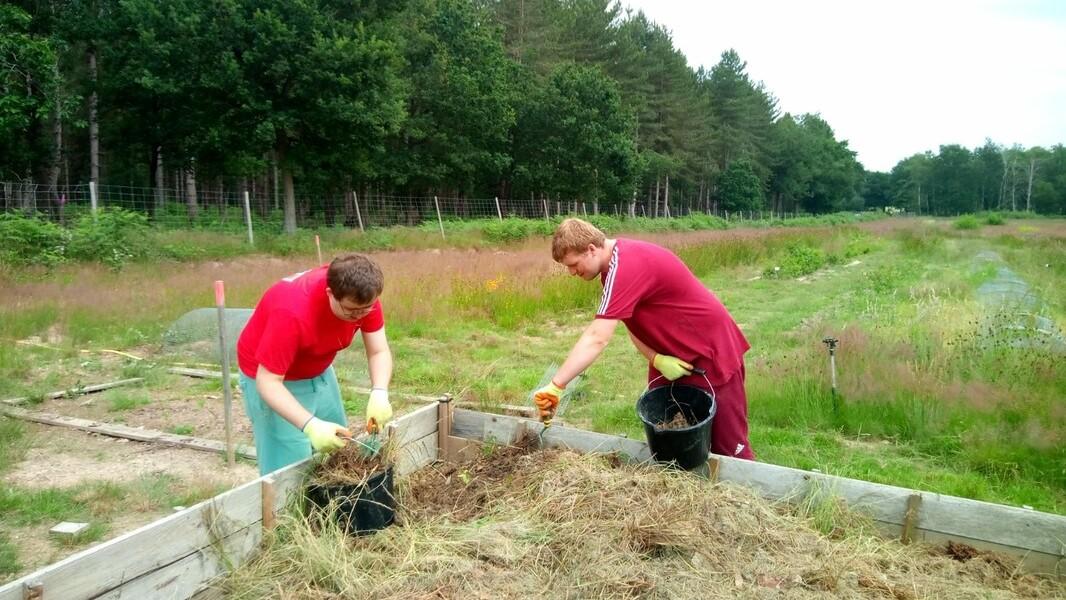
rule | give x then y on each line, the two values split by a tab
325	436
671	367
378	410
547	400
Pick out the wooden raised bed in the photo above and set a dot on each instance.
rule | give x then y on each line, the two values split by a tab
175	557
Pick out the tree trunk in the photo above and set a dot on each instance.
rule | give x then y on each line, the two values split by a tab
94	125
1029	191
290	200
666	198
57	151
158	181
655	210
191	203
1013	185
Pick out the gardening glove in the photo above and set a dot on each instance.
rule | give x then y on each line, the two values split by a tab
325	436
671	367
378	410
547	400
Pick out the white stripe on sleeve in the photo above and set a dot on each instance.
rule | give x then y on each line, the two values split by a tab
608	284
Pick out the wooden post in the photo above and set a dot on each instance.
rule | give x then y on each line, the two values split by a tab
439	220
444	426
499	213
227	393
269	511
358	215
248	218
910	518
545	203
318	249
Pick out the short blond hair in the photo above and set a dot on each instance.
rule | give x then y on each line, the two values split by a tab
575	235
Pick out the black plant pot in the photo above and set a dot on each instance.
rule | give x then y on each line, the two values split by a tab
359	509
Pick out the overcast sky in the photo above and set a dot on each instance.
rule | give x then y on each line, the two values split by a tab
893	77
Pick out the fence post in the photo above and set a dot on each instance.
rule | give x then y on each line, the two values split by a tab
439	220
358	215
545	204
92	197
227	393
499	213
248	218
583	211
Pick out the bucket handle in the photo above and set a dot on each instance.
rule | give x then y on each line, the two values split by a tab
703	372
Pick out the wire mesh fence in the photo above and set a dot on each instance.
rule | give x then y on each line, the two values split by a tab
230	209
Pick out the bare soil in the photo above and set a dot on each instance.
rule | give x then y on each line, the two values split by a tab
463	491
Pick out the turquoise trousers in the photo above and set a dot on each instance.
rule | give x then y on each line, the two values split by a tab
279	443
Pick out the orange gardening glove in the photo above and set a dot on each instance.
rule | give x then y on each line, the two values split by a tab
547	400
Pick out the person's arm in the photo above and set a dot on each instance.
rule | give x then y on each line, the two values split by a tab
643	348
378	358
379	363
273	391
587	349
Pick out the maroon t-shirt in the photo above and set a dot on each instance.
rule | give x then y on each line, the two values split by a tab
294	331
662	303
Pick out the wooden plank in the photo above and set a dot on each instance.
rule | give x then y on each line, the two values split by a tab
125	431
1017	530
197	373
183	578
269	503
414	425
460	449
417	454
144	551
475	425
910	518
76	391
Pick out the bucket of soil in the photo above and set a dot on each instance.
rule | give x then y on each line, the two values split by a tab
677	422
355	489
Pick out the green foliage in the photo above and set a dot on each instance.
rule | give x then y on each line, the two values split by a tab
740	188
993	218
798	260
967	222
114	236
9	557
510	230
26	241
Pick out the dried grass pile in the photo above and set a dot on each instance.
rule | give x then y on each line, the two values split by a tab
555	524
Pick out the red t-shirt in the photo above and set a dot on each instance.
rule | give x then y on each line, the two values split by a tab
294	331
662	303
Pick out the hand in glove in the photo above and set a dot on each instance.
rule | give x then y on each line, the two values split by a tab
671	367
326	436
547	400
378	410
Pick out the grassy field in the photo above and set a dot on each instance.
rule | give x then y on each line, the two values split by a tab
935	390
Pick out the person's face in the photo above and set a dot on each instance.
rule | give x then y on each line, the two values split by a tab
585	265
347	309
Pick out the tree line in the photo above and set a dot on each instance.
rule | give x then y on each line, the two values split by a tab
577	100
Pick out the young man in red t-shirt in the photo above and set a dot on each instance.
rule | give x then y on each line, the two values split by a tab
286	353
673	320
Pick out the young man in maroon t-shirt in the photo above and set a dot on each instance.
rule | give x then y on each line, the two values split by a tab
286	353
673	320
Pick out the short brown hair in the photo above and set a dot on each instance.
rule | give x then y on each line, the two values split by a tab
356	277
575	235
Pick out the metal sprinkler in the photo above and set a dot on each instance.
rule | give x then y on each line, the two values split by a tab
831	344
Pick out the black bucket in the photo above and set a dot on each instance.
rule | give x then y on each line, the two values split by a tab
687	447
359	509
